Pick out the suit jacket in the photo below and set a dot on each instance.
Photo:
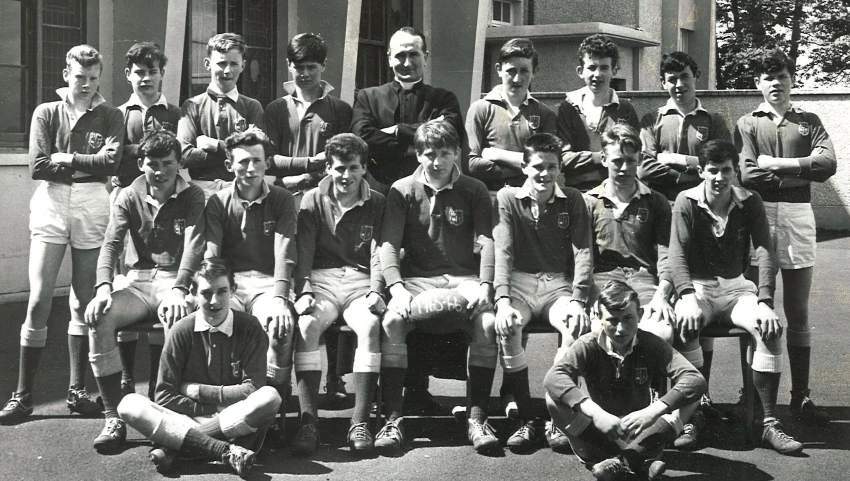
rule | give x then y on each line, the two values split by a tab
393	156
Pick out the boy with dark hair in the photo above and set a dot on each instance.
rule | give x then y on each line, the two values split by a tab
783	150
210	117
160	212
499	124
543	264
252	225
612	423
338	275
147	110
591	110
673	135
436	215
300	123
712	227
211	396
75	144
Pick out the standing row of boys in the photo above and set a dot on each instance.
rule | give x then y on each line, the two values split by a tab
576	230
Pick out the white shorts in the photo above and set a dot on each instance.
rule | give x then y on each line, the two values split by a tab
793	234
342	285
466	286
641	280
250	285
149	285
717	297
210	187
539	291
75	214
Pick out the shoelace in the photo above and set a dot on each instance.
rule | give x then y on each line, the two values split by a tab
617	468
484	429
13	404
390	430
688	429
359	432
113	425
781	434
306	432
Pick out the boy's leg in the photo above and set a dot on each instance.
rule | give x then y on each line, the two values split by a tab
390	440
279	357
45	259
83	275
156	340
590	445
308	369
367	368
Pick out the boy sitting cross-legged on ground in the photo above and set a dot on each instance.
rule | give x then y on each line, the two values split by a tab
338	273
612	423
211	398
543	263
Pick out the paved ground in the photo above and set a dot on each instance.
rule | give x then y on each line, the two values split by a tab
54	445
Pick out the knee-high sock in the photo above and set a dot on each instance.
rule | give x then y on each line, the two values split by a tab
153	373
110	392
308	375
516	379
127	350
799	357
78	352
27	366
367	367
478	391
767	386
198	443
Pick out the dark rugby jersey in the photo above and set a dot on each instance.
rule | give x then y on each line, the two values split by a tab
138	121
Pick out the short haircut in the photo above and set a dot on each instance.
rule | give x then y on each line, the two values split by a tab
85	55
436	134
148	54
599	46
772	61
623	135
519	47
542	143
677	62
717	152
225	42
210	270
412	31
307	47
159	143
347	147
617	295
252	136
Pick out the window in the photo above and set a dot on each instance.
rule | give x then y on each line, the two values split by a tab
22	59
618	84
685	42
501	13
379	19
253	19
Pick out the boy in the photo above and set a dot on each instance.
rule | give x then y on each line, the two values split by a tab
338	273
146	110
252	225
300	123
631	231
435	215
783	150
499	124
160	212
210	117
673	136
616	429
211	395
589	111
713	224
543	263
75	144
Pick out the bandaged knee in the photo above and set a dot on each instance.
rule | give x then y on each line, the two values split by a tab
308	361
105	364
33	337
675	422
483	355
694	357
394	355
365	361
278	376
77	327
232	420
798	338
766	362
171	431
127	336
515	363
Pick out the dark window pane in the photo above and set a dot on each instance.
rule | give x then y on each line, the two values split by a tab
497	11
10	24
365	13
11	102
377	21
506	12
399	15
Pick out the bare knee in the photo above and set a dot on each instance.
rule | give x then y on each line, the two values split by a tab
133	407
309	327
268	401
393	323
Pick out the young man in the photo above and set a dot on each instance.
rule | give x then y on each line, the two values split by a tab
338	273
147	110
209	118
160	212
387	116
712	227
300	124
252	225
673	135
543	264
631	231
589	111
612	423
437	215
211	397
499	124
783	150
75	144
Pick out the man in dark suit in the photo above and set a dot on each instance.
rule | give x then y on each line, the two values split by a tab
387	116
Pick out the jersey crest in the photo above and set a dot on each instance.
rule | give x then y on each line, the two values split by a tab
365	232
641	375
179	226
643	215
455	216
804	129
268	227
95	140
236	368
241	124
702	133
534	121
563	220
326	129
